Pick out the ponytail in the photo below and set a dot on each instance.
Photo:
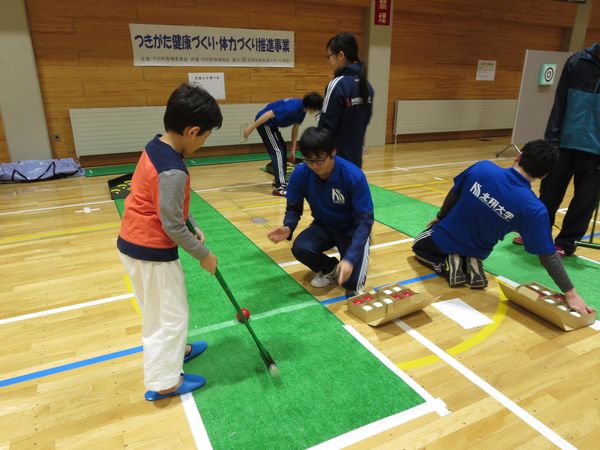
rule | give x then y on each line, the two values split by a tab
346	42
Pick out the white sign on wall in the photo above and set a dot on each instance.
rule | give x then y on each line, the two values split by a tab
486	70
171	45
213	82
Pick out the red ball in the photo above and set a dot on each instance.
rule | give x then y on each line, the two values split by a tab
246	315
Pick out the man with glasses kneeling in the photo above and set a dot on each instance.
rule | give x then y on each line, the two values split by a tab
340	201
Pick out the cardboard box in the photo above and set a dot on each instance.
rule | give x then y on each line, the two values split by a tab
546	303
386	304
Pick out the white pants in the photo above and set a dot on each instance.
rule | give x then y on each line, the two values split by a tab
159	287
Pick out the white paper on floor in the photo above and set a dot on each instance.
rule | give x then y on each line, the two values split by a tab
463	314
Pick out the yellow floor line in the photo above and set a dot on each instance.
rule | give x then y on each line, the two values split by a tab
474	340
58	233
133	299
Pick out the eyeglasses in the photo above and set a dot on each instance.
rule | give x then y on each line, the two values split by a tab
316	162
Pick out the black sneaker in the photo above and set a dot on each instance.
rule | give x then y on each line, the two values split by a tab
477	278
454	267
436	267
281	191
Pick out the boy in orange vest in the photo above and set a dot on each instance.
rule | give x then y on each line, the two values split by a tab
152	229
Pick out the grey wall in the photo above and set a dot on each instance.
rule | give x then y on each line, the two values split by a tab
20	98
378	54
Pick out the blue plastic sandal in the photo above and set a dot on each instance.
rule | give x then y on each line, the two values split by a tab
197	348
190	383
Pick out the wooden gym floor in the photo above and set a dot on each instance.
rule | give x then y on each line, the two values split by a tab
518	382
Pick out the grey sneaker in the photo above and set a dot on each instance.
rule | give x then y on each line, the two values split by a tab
454	268
281	191
477	278
324	279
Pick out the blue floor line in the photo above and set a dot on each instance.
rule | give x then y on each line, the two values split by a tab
134	350
589	236
71	366
341	298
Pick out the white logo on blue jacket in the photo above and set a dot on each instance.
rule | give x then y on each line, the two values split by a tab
337	197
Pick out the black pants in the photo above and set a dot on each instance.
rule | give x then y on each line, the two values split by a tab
277	149
584	168
309	246
427	251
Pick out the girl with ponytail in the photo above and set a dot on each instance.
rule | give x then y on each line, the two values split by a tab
348	102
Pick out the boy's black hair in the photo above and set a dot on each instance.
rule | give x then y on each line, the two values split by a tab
538	158
312	101
190	106
314	142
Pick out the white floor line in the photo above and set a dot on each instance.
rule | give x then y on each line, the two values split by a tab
534	423
362	433
26	211
372	247
445	164
564	211
196	424
231	323
404	169
235	186
431	405
441	410
49	312
588	259
381	170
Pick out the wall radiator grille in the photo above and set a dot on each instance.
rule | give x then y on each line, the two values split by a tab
438	116
103	131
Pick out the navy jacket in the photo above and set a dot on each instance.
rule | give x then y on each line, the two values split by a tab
345	115
574	122
342	203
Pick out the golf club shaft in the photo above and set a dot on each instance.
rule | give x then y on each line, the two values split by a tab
266	357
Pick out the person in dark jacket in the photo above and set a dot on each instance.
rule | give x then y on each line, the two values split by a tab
574	126
348	102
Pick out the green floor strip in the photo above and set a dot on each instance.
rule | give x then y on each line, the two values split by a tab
400	212
227	159
329	385
109	170
410	216
191	162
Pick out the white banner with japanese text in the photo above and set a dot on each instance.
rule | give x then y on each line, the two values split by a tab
171	45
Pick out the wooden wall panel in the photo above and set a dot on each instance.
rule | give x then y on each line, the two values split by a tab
84	57
437	45
4	156
593	31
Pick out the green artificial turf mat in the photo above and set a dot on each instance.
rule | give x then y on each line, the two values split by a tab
191	162
402	213
211	160
513	262
329	384
410	216
109	170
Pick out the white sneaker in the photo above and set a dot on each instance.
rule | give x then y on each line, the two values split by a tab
324	279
